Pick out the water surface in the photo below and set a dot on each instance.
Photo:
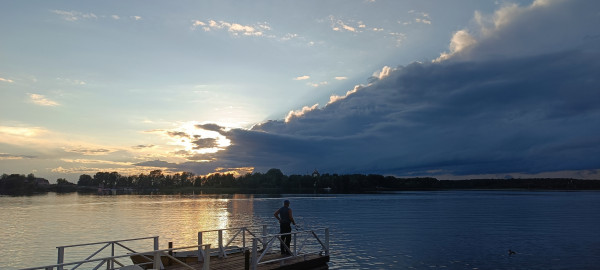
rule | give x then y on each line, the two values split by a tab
404	230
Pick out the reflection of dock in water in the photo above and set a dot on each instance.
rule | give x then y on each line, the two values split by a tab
234	248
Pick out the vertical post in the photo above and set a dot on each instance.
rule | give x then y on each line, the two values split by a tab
206	264
61	257
170	252
326	241
155	242
264	236
295	243
246	259
200	253
253	262
111	263
221	251
157	262
243	238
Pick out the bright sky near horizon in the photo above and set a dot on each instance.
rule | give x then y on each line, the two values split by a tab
405	88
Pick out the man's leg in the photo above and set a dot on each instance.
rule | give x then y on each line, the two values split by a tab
288	238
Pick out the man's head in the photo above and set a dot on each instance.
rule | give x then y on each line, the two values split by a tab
286	203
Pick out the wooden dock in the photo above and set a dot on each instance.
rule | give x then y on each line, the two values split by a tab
251	248
237	261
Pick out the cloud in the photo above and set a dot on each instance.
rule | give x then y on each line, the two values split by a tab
143	146
341	78
90	151
300	113
42	100
313	84
137	18
300	78
485	110
74	15
5	156
512	31
6	80
235	29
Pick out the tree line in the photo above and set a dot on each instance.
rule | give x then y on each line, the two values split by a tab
273	181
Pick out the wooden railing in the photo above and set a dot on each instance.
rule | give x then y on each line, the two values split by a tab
153	257
223	245
111	244
297	248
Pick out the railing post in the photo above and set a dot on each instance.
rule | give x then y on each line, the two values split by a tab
243	238
206	264
111	263
157	262
253	262
200	254
155	242
326	241
264	236
221	251
61	258
295	243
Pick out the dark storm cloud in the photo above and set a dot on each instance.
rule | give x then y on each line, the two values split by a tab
157	163
529	115
200	143
211	127
486	109
178	134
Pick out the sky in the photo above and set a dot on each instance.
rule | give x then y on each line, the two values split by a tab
448	89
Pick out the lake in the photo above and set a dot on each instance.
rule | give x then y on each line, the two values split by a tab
402	230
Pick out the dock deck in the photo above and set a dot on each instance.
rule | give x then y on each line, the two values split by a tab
237	261
232	248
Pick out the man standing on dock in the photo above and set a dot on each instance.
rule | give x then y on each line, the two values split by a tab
284	215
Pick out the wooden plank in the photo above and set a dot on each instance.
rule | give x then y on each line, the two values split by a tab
235	261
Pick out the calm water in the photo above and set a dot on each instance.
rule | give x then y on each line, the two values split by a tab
407	230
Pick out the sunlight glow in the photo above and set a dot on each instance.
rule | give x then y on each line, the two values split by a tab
197	140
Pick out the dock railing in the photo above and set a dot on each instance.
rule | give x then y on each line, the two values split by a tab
303	243
242	234
153	257
112	244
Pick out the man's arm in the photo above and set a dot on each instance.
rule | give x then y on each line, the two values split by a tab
276	215
292	218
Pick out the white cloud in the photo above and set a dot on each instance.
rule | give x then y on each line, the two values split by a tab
384	72
6	80
137	18
299	113
116	17
71	81
235	29
300	78
74	15
513	31
313	84
341	78
42	100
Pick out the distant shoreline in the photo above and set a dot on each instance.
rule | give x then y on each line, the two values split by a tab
274	182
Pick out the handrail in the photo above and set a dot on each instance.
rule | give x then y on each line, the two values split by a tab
156	254
256	258
61	250
221	247
104	242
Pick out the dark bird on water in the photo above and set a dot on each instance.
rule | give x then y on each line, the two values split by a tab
510	252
